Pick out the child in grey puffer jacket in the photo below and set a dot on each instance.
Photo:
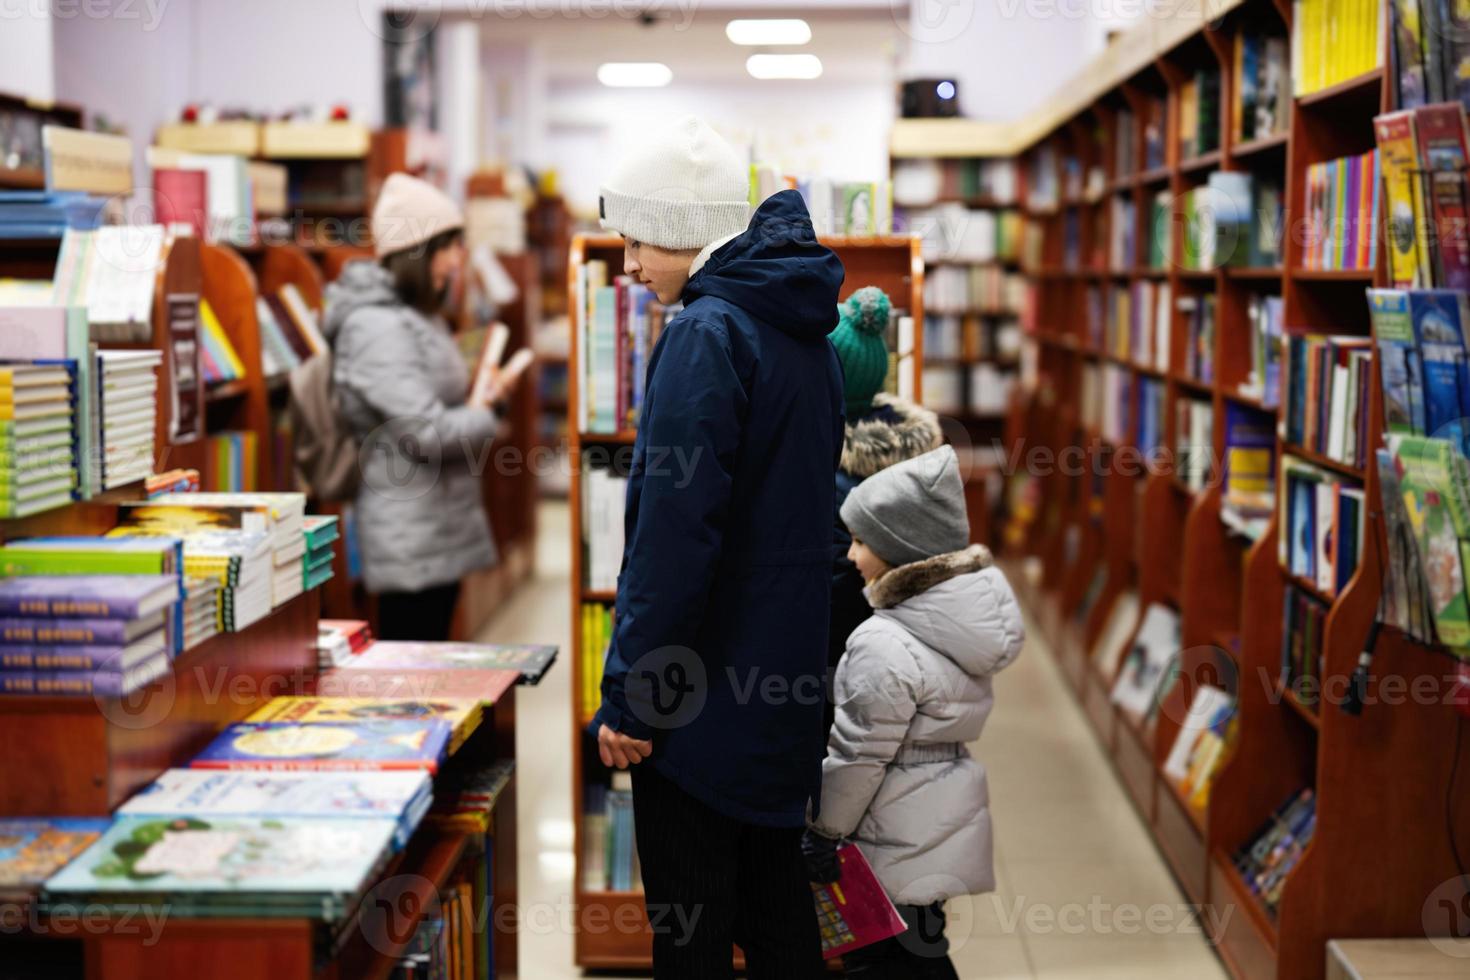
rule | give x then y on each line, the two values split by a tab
913	688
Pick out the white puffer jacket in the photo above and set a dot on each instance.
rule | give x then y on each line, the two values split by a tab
912	689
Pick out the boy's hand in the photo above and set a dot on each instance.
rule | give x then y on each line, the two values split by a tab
822	866
617	749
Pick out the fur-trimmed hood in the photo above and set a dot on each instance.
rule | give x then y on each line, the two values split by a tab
958	604
894	431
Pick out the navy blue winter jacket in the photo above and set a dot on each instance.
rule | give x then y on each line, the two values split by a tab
720	641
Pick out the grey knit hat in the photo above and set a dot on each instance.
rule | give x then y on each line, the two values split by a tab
912	510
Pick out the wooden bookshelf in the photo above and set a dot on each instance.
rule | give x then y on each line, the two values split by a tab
1144	532
891	262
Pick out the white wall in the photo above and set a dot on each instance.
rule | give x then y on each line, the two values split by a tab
25	52
839	130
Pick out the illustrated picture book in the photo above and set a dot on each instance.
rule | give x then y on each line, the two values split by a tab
854	911
393	744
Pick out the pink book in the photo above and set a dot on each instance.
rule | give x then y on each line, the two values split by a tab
854	911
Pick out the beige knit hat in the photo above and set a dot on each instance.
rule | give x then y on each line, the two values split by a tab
684	188
409	212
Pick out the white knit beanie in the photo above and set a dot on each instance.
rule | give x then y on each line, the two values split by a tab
684	188
409	212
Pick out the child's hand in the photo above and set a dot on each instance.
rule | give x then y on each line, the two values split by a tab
822	866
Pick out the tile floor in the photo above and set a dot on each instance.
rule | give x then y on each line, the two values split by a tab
1082	891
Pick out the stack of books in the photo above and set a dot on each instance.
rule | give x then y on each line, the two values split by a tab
403	797
531	662
393	743
1266	862
38	462
465	796
227	866
126	412
83	555
463	715
281	516
338	640
320	532
92	635
47	214
201	610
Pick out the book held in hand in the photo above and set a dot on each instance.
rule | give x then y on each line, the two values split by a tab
854	911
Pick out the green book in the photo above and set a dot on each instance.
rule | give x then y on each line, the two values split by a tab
1432	481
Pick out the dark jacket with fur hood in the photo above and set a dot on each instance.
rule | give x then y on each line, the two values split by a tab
895	430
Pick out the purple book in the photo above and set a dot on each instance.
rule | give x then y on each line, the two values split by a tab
68	632
106	596
111	657
90	683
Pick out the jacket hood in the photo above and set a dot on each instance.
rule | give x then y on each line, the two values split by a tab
956	604
362	283
776	271
894	431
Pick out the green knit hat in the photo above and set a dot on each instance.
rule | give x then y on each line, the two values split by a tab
862	327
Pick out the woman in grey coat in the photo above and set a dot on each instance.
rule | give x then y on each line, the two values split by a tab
403	390
913	688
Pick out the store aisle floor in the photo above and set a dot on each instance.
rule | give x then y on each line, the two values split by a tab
1082	891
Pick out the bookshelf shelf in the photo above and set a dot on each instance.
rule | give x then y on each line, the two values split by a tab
1205	161
1326	462
1254	274
1196	275
1309	587
23	178
608	438
1364	86
226	390
1249	400
1309	714
1273	144
1356	276
1156	176
1195	385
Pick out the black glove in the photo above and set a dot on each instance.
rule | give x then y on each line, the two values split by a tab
820	852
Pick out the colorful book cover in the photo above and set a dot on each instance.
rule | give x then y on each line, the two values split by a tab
1441	134
1434	495
1408	49
32	849
108	596
1398	360
532	661
1439	318
228	861
392	744
55	656
1406	227
484	686
402	796
461	714
103	683
854	911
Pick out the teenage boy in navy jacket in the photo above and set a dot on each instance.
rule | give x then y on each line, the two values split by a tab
713	687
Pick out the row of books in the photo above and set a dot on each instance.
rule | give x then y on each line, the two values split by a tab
973	289
112	272
922	182
338	640
1122	232
321	533
218	360
1107	401
1194	441
955	233
124	420
970	336
610	852
1423	361
1235	219
450	941
596	623
1262	72
1199	315
1199	748
231	460
1089	185
289	333
48	214
1199	114
862	208
1154	123
1263	380
1424	154
1265	862
38	437
1342	213
982	390
1334	41
1431	52
214	194
619	326
1322	520
1303	618
603	497
1134	322
1327	388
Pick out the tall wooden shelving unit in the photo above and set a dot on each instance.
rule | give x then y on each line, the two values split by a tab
1386	809
893	263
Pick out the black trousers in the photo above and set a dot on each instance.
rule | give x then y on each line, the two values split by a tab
711	881
921	953
424	615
